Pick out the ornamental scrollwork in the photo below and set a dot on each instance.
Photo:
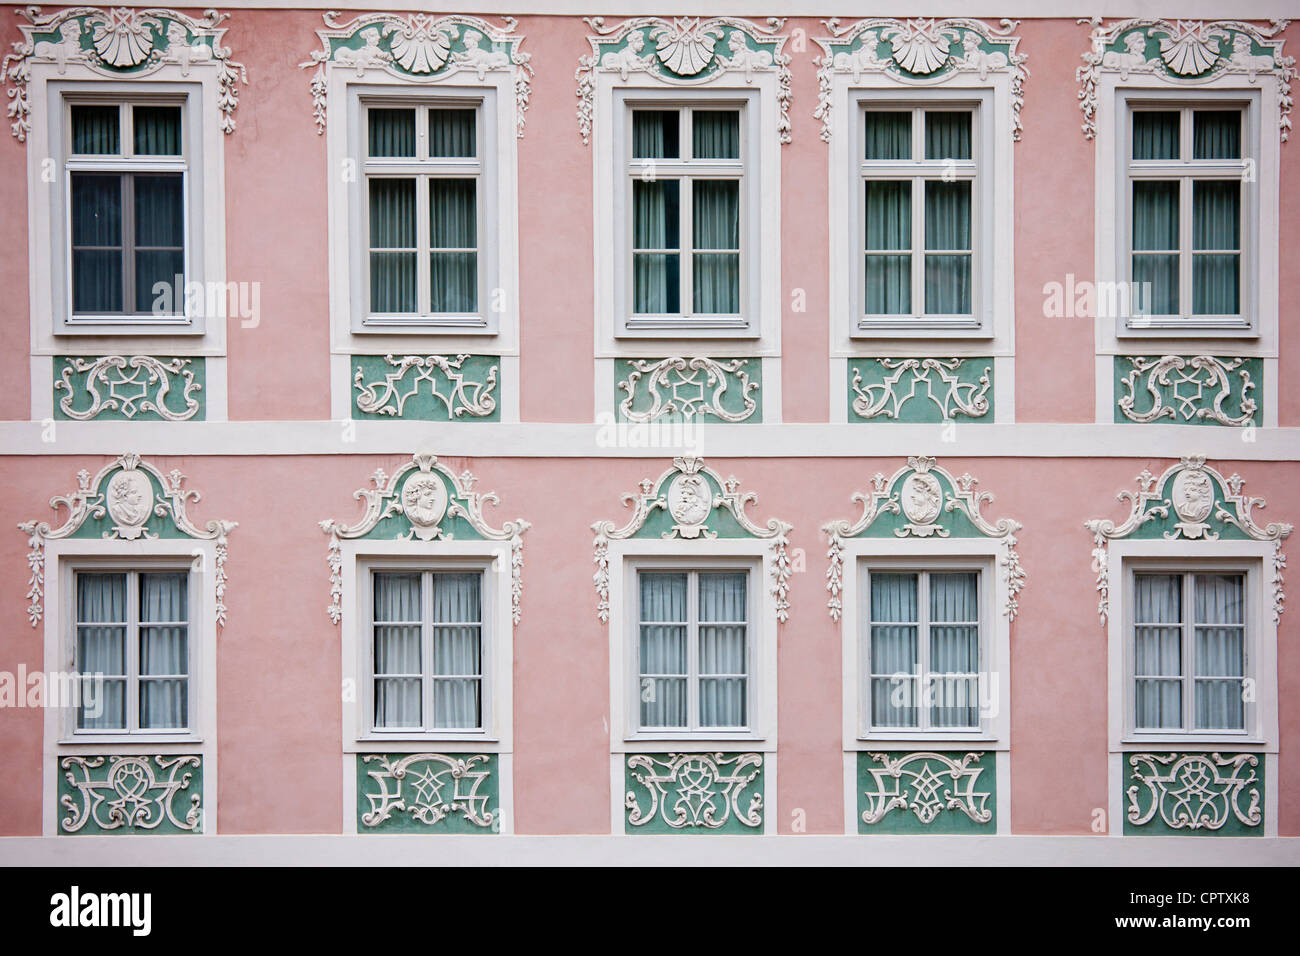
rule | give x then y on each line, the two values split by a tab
130	793
417	502
709	791
898	382
420	47
926	784
119	42
118	503
128	385
1188	389
689	388
1190	501
430	788
693	496
1184	52
683	51
450	382
1194	791
923	500
919	52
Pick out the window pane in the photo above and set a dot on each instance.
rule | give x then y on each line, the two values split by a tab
157	130
722	605
716	225
101	600
164	651
656	286
1220	598
392	132
888	135
1220	705
1216	134
452	133
715	134
457	650
947	226
663	650
889	214
655	134
954	649
893	649
1220	650
1155	134
1157	615
453	213
1216	224
1159	705
95	130
397	649
1155	227
160	241
947	135
392	226
96	222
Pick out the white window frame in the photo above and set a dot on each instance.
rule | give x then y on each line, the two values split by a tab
756	332
1185	170
65	557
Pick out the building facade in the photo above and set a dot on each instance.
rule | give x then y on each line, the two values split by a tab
558	425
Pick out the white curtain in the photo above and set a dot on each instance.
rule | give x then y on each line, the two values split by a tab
894	650
1219	652
954	649
164	651
722	650
101	650
664	625
457	651
1157	652
397	649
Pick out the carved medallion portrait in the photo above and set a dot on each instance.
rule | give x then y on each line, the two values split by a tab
1193	495
130	500
424	501
922	498
689	499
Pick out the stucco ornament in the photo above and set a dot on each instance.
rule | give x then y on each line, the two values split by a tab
683	51
1191	388
418	502
926	784
924	501
119	42
103	794
451	382
1184	53
704	791
692	387
420	47
698	503
1194	791
891	384
428	788
919	52
119	503
1190	501
128	384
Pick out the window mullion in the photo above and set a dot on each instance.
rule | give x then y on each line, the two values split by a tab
423	245
127	187
923	649
686	244
693	650
132	651
426	648
917	203
1188	668
1186	305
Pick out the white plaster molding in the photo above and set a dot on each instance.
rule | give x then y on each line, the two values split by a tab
1204	373
128	499
1194	791
128	392
921	53
686	52
685	493
915	494
422	48
1191	52
1196	493
688	388
424	503
124	42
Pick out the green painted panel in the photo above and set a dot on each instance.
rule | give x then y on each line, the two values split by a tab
927	792
720	793
439	388
142	388
428	793
688	389
920	390
108	795
1189	390
1193	794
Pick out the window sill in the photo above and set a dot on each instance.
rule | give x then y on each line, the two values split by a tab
670	329
110	327
375	743
1186	329
143	741
664	743
1193	742
867	741
471	326
921	328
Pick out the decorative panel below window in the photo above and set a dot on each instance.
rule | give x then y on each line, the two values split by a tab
689	389
1193	794
428	793
426	387
1189	389
927	792
141	388
920	390
693	793
105	795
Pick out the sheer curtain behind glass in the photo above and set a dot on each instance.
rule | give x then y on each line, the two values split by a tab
397	650
457	651
1219	652
1157	651
101	650
453	215
954	649
894	652
663	650
164	651
723	666
656	225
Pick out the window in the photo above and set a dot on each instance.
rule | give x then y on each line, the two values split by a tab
426	630
1189	652
128	210
923	650
132	651
694	650
1184	172
424	211
918	186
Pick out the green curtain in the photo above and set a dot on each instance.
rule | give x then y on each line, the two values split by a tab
453	225
888	228
157	130
452	133
715	134
101	650
656	287
655	134
1216	134
888	135
1216	225
1155	134
391	133
392	227
97	242
662	650
1155	228
947	135
716	226
947	228
95	130
159	237
894	650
